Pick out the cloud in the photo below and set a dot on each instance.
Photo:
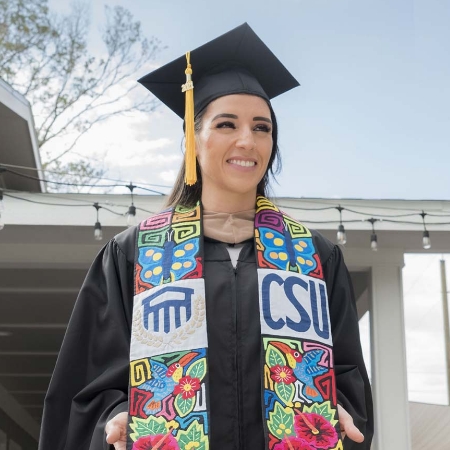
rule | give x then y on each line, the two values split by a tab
168	176
155	154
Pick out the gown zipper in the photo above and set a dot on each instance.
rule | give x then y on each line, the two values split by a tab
236	359
238	374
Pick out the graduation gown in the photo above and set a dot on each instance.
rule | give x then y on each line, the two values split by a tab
90	382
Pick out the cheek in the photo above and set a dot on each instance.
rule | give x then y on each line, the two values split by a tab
207	148
268	150
204	150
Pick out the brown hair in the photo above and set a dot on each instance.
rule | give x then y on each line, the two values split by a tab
188	196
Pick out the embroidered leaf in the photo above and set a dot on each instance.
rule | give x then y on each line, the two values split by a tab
150	426
193	438
281	421
197	369
184	405
285	392
325	409
274	357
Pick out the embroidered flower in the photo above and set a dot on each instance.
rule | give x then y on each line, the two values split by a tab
315	430
292	443
282	374
187	387
159	441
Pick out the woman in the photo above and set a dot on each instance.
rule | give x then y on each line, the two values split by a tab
232	346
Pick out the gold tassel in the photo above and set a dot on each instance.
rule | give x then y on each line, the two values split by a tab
190	159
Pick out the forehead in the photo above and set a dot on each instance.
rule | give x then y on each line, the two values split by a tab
239	104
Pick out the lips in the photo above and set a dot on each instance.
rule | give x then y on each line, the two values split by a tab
240	162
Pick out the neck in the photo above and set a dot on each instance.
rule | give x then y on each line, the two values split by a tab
228	202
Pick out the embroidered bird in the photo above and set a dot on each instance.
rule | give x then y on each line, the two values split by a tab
305	367
163	382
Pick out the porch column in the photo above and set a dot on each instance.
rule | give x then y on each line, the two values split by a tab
388	348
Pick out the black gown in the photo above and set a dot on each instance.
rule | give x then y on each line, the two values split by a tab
90	382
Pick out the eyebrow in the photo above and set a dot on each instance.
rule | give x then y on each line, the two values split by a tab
233	116
264	119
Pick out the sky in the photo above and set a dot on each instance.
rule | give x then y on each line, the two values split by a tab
370	119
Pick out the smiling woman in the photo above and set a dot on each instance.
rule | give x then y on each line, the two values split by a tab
220	322
234	146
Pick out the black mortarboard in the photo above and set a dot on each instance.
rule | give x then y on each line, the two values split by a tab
238	62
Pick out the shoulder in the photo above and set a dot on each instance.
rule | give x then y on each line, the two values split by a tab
125	242
324	246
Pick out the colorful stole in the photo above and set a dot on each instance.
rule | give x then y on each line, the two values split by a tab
168	394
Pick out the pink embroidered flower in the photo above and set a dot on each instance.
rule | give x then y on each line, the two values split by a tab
187	387
282	374
315	430
292	443
160	441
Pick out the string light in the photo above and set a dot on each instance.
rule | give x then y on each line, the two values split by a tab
426	235
64	172
98	233
373	237
341	235
61	183
131	214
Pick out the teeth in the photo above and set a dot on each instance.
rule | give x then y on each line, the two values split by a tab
242	163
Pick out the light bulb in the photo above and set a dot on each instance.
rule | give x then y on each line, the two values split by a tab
426	240
98	233
341	236
131	216
373	242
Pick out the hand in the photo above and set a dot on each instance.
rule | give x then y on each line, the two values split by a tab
348	427
116	431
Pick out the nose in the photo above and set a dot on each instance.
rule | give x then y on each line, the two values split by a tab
245	139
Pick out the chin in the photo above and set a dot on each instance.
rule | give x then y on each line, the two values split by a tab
244	191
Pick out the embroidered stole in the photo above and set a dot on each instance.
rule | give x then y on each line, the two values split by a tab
168	393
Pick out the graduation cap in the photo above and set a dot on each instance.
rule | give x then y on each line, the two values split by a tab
238	62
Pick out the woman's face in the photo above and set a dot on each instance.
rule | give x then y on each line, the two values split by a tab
233	149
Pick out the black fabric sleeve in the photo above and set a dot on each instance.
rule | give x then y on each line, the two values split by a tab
353	388
90	380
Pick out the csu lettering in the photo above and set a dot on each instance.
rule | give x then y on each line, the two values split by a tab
303	322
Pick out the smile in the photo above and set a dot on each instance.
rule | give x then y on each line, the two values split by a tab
242	163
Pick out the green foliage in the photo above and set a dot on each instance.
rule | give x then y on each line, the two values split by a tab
325	409
285	392
150	426
46	57
274	357
197	369
82	172
184	405
194	434
281	421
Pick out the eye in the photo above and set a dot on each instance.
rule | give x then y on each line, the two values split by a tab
225	125
263	127
296	354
